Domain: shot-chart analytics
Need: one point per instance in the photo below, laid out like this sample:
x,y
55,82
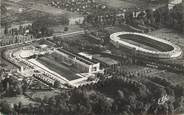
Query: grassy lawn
x,y
145,46
15,100
119,28
173,77
42,94
58,29
132,68
59,68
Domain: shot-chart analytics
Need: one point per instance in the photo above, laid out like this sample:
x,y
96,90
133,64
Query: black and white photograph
x,y
91,57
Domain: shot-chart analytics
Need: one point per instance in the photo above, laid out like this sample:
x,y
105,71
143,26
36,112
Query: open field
x,y
132,68
58,29
30,10
132,4
173,77
15,0
15,100
48,9
42,94
59,68
119,28
122,3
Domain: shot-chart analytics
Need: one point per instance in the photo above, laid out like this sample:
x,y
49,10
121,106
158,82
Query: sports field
x,y
62,69
145,46
146,43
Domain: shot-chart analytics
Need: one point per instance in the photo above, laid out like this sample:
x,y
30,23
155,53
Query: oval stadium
x,y
146,45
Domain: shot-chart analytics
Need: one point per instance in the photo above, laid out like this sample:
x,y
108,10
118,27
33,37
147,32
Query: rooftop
x,y
79,57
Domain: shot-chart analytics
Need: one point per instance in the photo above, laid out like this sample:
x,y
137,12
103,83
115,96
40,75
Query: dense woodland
x,y
119,95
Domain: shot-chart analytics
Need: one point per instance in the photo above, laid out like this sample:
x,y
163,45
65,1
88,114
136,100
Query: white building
x,y
76,20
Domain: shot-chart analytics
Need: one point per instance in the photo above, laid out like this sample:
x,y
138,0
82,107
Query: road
x,y
56,35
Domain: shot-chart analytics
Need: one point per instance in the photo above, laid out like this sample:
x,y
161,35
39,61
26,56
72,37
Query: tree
x,y
105,104
121,94
40,27
42,108
160,92
20,105
124,113
45,99
6,29
65,29
52,101
5,107
3,9
30,108
101,104
57,84
24,85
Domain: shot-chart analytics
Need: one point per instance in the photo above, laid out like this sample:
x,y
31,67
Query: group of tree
x,y
10,87
176,18
40,27
21,30
3,9
118,95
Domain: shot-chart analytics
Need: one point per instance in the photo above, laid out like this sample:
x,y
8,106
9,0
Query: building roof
x,y
105,60
79,57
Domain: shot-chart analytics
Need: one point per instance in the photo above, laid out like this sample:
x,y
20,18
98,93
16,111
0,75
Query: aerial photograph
x,y
92,57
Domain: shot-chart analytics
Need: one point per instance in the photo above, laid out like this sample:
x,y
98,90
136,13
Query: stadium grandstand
x,y
146,45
